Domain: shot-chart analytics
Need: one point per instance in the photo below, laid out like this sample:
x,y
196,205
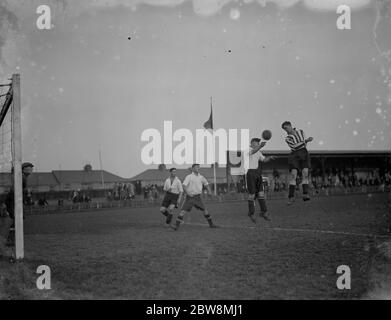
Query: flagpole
x,y
214,151
214,164
101,169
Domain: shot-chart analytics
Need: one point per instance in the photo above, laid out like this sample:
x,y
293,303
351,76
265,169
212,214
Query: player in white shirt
x,y
193,186
174,190
254,179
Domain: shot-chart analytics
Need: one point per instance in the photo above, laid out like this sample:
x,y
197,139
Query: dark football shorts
x,y
299,159
254,181
195,201
170,199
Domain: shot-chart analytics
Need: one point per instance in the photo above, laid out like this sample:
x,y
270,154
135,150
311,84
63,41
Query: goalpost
x,y
11,154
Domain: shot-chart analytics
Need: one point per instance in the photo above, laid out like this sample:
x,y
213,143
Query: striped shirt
x,y
296,140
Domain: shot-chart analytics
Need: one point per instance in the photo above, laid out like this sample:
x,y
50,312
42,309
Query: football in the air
x,y
266,135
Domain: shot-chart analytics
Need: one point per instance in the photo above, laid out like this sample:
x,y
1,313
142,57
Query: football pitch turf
x,y
128,253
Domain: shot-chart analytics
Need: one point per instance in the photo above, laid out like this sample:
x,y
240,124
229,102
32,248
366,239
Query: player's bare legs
x,y
209,219
168,213
292,186
305,183
179,220
164,211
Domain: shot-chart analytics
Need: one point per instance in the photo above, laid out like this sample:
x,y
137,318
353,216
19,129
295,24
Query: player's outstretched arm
x,y
269,158
309,139
256,149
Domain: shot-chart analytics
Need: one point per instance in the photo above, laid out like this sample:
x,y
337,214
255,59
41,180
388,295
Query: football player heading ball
x,y
299,159
254,179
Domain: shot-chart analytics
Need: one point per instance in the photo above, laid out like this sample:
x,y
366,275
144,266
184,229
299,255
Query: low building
x,y
157,176
65,180
323,163
360,162
86,179
43,182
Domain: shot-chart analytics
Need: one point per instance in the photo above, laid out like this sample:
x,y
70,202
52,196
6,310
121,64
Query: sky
x,y
108,70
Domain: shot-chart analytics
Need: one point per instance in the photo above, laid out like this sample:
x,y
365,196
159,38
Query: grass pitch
x,y
130,254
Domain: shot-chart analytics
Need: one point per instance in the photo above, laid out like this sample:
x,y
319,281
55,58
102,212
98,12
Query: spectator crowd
x,y
121,191
331,179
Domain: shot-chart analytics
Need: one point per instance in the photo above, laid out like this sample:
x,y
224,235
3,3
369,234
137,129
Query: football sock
x,y
292,190
209,219
262,204
168,218
178,221
251,207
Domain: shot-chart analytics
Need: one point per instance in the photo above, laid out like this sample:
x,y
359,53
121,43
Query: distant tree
x,y
87,167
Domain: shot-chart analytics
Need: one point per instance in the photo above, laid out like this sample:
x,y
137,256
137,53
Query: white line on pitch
x,y
300,230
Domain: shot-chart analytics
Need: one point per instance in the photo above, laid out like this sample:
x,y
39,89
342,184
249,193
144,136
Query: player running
x,y
299,159
193,186
254,179
174,190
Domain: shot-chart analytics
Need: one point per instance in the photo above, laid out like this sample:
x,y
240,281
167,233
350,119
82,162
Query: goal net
x,y
5,135
11,189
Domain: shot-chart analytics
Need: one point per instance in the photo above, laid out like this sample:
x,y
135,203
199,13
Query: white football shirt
x,y
251,160
194,184
174,187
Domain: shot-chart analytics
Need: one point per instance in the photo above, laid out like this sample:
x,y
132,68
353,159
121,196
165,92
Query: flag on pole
x,y
209,124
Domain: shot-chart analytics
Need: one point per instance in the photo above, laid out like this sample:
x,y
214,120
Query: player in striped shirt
x,y
299,159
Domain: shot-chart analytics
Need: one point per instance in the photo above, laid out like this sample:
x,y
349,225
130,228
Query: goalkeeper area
x,y
128,253
11,162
